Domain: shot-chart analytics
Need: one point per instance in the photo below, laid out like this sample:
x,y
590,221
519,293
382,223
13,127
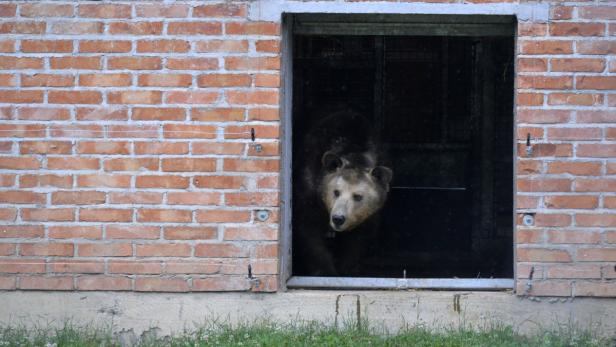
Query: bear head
x,y
353,188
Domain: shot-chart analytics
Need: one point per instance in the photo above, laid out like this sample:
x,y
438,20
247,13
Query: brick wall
x,y
126,161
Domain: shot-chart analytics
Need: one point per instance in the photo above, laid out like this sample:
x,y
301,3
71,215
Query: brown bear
x,y
337,198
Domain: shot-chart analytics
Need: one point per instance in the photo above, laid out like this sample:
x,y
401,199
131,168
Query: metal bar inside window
x,y
400,283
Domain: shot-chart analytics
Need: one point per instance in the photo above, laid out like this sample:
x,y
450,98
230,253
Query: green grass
x,y
269,334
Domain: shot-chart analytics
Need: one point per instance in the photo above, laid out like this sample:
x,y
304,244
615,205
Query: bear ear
x,y
331,161
383,175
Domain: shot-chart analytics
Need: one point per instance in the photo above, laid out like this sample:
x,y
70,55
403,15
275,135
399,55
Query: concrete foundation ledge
x,y
390,310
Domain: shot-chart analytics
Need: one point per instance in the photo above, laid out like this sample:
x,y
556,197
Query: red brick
x,y
561,12
574,271
192,63
263,114
177,182
596,47
225,46
251,233
269,46
104,250
103,147
156,284
46,249
267,80
596,289
132,131
269,182
546,150
164,250
22,265
192,267
91,46
7,46
577,29
610,134
596,82
8,214
8,10
575,99
191,97
135,97
21,231
164,216
527,202
21,197
75,97
48,214
160,147
47,80
577,65
105,80
546,47
609,202
186,164
135,198
220,182
596,150
193,198
595,185
21,96
217,284
251,199
46,283
132,232
105,10
552,220
22,130
575,168
224,80
596,254
567,236
217,114
267,150
163,46
103,113
165,80
77,28
194,28
543,255
595,220
241,165
76,131
33,181
136,267
252,63
611,168
159,114
597,12
75,232
8,80
186,131
544,185
46,46
103,180
529,236
103,283
190,233
596,116
544,82
220,250
134,63
252,28
76,266
12,63
266,251
574,134
217,148
222,216
136,28
131,164
78,63
545,288
244,131
105,215
19,163
43,113
220,10
162,10
72,163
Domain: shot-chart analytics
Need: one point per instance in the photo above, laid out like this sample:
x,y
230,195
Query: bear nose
x,y
338,220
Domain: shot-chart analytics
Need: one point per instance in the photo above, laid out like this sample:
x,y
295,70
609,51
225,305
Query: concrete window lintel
x,y
272,10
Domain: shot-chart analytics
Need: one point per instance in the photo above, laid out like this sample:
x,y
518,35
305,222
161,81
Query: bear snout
x,y
338,220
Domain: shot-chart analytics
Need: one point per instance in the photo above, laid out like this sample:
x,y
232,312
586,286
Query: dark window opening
x,y
442,106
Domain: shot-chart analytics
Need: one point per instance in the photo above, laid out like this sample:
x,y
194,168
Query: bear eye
x,y
357,197
336,193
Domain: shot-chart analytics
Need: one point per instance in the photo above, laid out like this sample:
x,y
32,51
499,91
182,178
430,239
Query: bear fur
x,y
340,181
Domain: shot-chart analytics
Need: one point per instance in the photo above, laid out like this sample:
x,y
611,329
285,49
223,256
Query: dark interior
x,y
443,107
